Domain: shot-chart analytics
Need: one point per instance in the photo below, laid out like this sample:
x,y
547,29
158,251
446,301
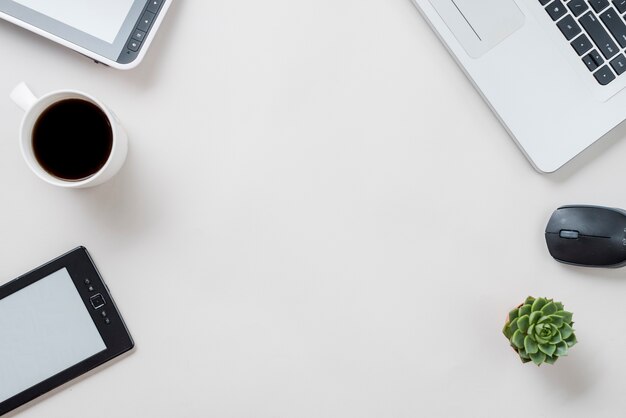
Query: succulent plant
x,y
540,330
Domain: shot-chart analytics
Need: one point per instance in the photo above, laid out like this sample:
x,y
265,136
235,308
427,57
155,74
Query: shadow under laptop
x,y
590,155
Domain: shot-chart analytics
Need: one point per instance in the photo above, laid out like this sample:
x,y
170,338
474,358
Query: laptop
x,y
116,33
553,71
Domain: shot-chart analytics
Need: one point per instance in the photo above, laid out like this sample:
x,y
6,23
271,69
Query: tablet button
x,y
154,5
91,289
134,45
87,281
97,301
107,321
145,21
138,35
104,314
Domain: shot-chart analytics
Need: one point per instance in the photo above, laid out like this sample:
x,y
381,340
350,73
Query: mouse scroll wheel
x,y
568,234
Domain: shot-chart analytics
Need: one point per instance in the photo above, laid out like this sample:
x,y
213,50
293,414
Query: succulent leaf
x,y
566,331
538,358
556,338
507,332
524,356
549,349
538,304
561,349
524,310
530,345
518,339
571,341
551,360
523,322
556,320
540,330
567,316
534,317
549,308
543,333
513,325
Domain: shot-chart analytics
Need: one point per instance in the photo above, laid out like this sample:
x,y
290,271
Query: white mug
x,y
34,107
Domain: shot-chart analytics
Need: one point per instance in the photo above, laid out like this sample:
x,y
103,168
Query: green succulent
x,y
540,330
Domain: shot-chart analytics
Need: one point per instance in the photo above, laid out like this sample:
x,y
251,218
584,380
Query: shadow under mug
x,y
34,107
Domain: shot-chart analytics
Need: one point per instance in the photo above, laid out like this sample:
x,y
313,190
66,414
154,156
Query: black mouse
x,y
592,236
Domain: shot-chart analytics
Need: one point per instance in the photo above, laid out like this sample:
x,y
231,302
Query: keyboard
x,y
596,30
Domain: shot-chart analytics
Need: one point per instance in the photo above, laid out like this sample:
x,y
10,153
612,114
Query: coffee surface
x,y
72,139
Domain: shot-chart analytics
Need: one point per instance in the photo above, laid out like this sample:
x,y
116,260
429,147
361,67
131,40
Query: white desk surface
x,y
319,217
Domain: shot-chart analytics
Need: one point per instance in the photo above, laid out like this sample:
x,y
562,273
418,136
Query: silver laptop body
x,y
553,73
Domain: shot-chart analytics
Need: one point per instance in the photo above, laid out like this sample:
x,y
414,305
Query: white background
x,y
102,19
319,217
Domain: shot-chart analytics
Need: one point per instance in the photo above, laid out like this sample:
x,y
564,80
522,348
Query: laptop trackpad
x,y
479,25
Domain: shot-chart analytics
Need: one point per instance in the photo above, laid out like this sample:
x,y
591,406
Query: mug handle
x,y
23,96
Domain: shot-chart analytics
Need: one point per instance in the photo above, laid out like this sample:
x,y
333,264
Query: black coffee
x,y
72,139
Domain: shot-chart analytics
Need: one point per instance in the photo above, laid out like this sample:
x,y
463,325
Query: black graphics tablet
x,y
114,32
56,323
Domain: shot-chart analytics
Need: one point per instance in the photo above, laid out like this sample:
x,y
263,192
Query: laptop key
x,y
619,64
597,58
589,62
578,7
620,5
556,10
544,2
569,27
604,75
581,44
616,25
599,5
599,35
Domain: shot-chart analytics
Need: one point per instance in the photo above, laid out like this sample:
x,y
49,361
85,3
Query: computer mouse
x,y
591,236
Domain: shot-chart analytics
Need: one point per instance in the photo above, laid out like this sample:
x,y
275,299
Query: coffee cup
x,y
69,138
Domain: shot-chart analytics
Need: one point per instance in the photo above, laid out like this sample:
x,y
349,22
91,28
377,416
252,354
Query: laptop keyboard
x,y
596,29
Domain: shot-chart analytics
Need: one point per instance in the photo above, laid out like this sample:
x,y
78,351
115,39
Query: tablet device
x,y
114,32
56,323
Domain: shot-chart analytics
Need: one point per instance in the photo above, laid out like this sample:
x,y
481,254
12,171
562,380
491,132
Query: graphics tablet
x,y
113,32
56,323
